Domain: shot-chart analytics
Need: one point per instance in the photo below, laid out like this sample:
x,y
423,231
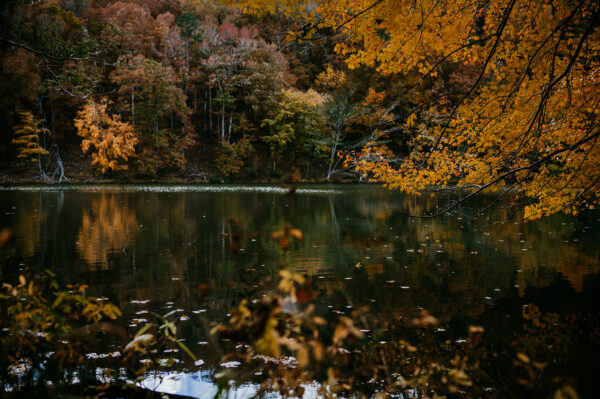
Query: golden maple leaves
x,y
527,115
113,141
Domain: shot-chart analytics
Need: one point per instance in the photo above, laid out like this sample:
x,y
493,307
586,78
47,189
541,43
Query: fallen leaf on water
x,y
523,357
475,329
297,234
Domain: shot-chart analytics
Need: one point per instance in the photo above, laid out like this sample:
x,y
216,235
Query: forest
x,y
478,96
184,90
475,276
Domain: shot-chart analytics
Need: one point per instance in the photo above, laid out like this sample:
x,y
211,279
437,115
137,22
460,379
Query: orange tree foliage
x,y
524,117
112,140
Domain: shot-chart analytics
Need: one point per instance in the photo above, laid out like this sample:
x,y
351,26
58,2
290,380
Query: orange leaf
x,y
297,234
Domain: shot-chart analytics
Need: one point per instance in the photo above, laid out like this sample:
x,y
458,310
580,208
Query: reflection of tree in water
x,y
204,253
105,229
30,218
544,341
523,351
541,249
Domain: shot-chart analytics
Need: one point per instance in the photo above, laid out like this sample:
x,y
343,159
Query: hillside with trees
x,y
179,90
479,96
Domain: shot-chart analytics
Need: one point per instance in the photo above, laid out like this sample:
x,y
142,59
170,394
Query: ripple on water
x,y
184,188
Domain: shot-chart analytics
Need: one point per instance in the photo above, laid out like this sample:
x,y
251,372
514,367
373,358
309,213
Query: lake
x,y
201,249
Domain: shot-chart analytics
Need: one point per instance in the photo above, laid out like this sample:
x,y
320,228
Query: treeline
x,y
185,88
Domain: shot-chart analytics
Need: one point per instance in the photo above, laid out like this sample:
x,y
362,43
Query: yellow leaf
x,y
523,357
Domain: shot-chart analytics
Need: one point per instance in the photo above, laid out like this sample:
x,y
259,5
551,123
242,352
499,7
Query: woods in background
x,y
182,88
477,96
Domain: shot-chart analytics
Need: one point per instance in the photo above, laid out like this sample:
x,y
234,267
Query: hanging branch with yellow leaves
x,y
521,104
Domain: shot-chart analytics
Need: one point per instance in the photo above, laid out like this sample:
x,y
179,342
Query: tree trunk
x,y
187,69
230,126
39,157
204,128
53,119
40,167
210,109
222,117
42,118
332,163
133,106
60,170
331,168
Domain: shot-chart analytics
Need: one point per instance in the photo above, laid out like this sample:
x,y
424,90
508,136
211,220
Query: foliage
x,y
180,73
232,157
44,327
525,114
295,125
112,141
536,368
471,95
338,357
157,108
164,150
27,137
338,113
150,342
23,81
285,235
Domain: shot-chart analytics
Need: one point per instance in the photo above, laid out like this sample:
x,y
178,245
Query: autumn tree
x,y
150,95
233,157
20,86
526,117
226,48
27,139
265,72
337,111
111,141
295,128
47,59
376,127
355,114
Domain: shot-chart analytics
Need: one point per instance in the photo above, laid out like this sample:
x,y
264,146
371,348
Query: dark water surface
x,y
201,249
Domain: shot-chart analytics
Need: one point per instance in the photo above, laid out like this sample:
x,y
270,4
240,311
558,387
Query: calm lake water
x,y
201,249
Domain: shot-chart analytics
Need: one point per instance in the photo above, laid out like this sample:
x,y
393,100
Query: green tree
x,y
295,127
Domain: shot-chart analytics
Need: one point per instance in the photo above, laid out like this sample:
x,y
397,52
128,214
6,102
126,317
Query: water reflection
x,y
154,237
107,227
200,249
200,385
